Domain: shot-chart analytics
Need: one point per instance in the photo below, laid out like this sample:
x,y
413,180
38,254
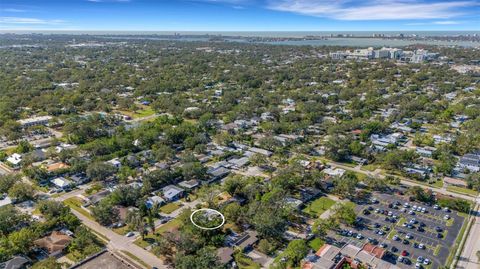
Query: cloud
x,y
446,22
30,21
373,9
12,10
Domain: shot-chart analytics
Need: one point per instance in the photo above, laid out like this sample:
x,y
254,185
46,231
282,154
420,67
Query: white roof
x,y
61,182
15,158
5,201
34,119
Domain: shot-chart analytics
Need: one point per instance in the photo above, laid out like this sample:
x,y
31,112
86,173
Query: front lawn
x,y
75,204
151,237
169,208
317,207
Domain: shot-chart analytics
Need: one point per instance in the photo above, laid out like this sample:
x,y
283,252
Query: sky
x,y
240,15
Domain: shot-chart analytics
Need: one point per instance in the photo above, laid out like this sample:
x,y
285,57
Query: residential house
x,y
17,262
238,163
470,161
172,193
115,162
217,173
244,240
225,255
189,184
425,152
154,200
97,197
54,244
15,159
57,166
4,200
40,120
455,182
62,183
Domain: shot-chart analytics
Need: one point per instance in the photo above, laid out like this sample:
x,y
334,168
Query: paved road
x,y
119,242
377,174
469,259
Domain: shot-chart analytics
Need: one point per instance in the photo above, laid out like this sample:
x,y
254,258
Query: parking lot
x,y
407,229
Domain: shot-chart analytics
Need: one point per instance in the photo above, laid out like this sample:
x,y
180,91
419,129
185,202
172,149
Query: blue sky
x,y
240,15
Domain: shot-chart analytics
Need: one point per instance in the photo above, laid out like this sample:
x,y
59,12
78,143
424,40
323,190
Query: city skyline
x,y
240,15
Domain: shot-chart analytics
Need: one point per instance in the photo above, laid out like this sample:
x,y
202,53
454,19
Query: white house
x,y
62,182
15,159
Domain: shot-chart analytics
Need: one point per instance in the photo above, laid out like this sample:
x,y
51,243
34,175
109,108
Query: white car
x,y
408,236
130,234
446,217
359,236
395,238
421,246
436,207
426,261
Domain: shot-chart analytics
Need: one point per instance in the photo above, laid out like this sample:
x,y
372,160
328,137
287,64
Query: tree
x,y
473,181
21,191
48,263
337,148
345,186
204,258
11,218
295,252
105,213
7,181
24,147
322,226
84,243
136,222
345,213
418,193
20,241
100,170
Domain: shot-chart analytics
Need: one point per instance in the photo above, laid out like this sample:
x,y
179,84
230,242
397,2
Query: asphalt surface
x,y
436,250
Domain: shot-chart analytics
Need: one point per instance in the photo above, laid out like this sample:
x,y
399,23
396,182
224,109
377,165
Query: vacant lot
x,y
317,207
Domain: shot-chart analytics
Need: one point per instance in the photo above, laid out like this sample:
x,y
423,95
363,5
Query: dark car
x,y
405,242
394,249
438,229
420,229
439,235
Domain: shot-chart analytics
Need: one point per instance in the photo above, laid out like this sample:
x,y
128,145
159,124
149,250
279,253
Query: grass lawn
x,y
370,167
135,258
316,243
76,204
122,230
437,184
317,207
462,190
245,262
150,238
144,111
169,208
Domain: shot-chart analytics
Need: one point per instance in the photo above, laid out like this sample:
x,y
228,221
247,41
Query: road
x,y
119,242
377,174
469,259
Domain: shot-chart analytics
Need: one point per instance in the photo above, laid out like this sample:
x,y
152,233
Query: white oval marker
x,y
211,210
